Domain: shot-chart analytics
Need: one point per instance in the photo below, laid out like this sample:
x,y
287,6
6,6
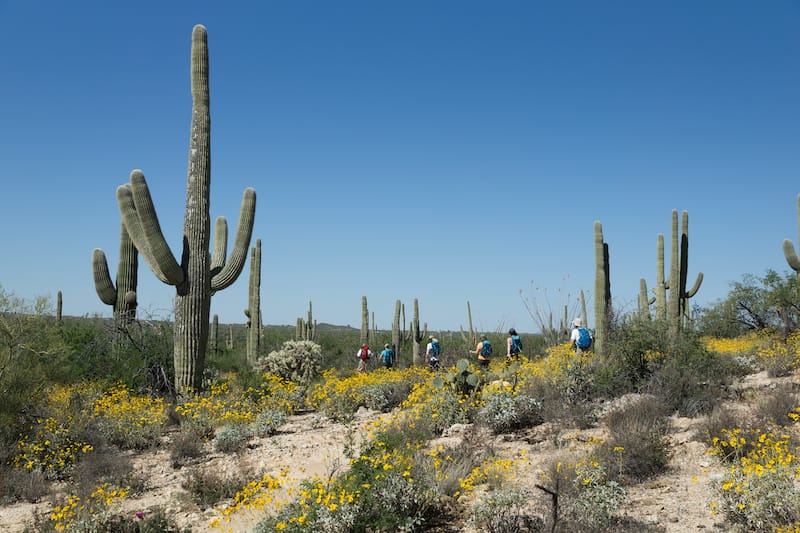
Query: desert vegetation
x,y
84,396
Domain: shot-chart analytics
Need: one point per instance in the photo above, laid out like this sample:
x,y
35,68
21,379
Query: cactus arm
x,y
791,256
235,263
220,245
102,278
691,292
141,222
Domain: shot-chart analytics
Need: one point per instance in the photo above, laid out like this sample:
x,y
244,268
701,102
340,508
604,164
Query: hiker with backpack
x,y
484,352
387,356
432,352
364,354
580,338
513,345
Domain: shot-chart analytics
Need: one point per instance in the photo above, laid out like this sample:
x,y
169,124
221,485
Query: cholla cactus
x,y
298,361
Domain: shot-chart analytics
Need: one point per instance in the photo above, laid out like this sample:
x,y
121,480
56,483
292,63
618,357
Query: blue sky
x,y
447,150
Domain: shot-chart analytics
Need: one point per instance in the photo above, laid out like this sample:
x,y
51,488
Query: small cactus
x,y
460,378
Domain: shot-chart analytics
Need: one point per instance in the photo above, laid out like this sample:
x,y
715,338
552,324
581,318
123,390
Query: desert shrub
x,y
506,411
773,408
721,418
229,439
207,485
267,422
90,513
634,344
587,497
22,485
50,447
385,396
128,420
451,464
185,446
504,511
637,439
759,492
298,361
106,465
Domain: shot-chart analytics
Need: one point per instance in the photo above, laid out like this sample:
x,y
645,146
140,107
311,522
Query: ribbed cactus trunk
x,y
472,339
214,334
254,305
122,296
644,300
602,293
364,321
417,335
584,316
679,266
59,306
198,275
396,334
661,284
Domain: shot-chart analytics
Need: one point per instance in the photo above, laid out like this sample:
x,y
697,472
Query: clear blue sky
x,y
447,150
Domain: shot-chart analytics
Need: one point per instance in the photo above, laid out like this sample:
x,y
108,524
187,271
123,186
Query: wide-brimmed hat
x,y
577,323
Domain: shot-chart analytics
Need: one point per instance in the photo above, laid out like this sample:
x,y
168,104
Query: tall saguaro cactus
x,y
122,296
364,321
602,289
416,335
253,310
198,275
678,273
472,339
397,336
661,284
788,247
306,329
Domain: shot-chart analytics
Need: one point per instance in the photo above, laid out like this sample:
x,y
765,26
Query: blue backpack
x,y
388,356
486,349
435,348
516,345
584,338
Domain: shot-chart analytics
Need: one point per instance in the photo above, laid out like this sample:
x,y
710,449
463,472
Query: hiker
x,y
387,356
484,351
364,354
432,352
581,338
513,345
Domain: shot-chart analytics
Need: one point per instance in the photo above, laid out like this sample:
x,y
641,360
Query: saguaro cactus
x,y
397,336
472,339
121,297
59,306
788,247
253,310
306,329
198,275
661,284
678,273
602,289
364,321
214,334
416,335
644,301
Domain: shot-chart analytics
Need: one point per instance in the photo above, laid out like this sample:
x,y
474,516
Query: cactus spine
x,y
602,290
121,297
197,276
788,247
253,310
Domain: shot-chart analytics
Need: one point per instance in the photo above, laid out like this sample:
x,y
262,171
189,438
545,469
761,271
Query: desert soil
x,y
309,444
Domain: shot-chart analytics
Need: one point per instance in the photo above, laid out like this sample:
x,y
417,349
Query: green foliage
x,y
504,511
298,361
229,439
755,303
460,378
506,411
267,422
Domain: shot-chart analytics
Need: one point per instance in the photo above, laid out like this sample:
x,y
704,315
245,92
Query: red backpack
x,y
365,352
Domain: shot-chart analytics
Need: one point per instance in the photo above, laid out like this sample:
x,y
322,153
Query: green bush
x,y
506,411
229,439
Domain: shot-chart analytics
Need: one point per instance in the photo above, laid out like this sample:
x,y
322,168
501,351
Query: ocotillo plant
x,y
416,335
602,289
121,297
253,310
678,271
198,275
788,247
